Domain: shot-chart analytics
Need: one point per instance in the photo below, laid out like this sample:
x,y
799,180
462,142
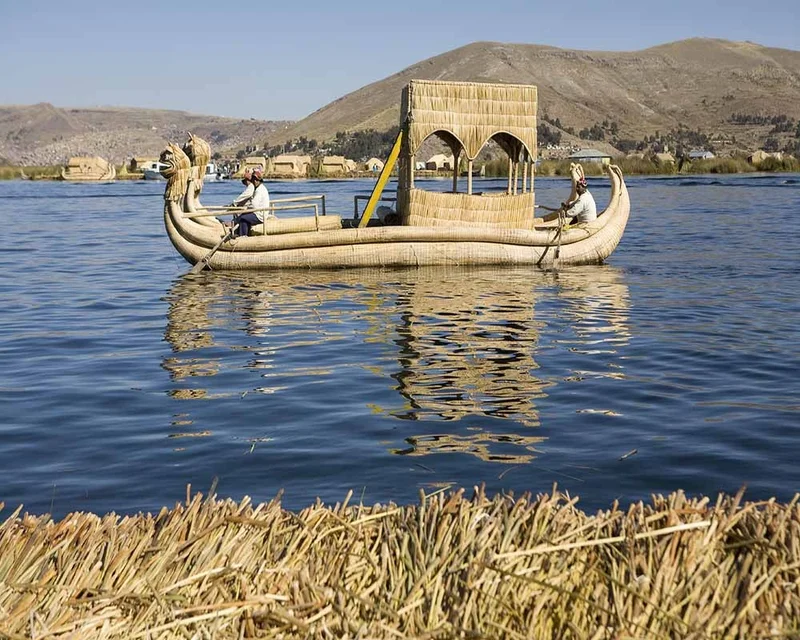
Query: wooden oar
x,y
541,206
202,263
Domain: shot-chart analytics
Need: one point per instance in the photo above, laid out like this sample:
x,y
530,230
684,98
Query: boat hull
x,y
395,246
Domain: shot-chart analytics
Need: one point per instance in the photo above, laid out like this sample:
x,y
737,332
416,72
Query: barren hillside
x,y
42,134
698,83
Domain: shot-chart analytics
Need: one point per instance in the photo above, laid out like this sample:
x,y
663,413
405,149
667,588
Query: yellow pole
x,y
382,180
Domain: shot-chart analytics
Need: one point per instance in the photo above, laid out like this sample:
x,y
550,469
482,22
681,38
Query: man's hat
x,y
258,174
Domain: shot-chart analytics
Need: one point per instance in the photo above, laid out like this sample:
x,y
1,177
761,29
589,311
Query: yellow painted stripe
x,y
377,190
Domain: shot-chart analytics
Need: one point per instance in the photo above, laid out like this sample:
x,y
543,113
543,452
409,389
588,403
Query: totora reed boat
x,y
459,227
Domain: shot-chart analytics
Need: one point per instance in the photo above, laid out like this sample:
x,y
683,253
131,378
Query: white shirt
x,y
260,203
584,208
244,197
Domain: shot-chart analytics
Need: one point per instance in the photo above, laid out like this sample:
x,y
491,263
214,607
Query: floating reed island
x,y
427,228
448,567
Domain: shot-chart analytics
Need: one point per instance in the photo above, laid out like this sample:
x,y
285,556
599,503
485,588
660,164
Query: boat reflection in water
x,y
462,348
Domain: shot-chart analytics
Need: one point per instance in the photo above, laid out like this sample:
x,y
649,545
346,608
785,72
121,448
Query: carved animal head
x,y
176,171
198,150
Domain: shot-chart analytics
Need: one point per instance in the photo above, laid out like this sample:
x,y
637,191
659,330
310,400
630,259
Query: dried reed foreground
x,y
448,567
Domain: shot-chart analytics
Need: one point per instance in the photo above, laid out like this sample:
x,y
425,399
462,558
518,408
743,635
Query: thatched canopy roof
x,y
88,163
468,114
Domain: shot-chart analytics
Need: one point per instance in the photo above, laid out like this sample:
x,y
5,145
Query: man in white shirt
x,y
243,199
259,203
583,207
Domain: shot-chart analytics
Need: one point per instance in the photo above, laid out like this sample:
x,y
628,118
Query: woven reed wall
x,y
473,112
431,209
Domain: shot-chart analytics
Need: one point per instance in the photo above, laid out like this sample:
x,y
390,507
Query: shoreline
x,y
448,566
547,169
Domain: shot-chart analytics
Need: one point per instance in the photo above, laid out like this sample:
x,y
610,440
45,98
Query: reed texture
x,y
448,567
472,112
500,211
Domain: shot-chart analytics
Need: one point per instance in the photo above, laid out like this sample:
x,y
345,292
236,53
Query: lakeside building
x,y
374,164
700,154
664,158
440,162
289,166
757,157
590,155
251,162
329,166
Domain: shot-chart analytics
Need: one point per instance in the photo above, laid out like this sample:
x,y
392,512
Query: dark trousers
x,y
245,221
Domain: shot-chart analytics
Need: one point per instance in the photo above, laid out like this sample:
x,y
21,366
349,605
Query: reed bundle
x,y
177,172
447,567
274,226
199,153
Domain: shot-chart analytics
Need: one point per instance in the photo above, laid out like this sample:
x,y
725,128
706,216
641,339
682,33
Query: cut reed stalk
x,y
447,567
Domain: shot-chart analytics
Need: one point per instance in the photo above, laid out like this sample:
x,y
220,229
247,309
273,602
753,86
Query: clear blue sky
x,y
284,59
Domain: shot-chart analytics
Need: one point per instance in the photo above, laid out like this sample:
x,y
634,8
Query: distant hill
x,y
42,134
697,83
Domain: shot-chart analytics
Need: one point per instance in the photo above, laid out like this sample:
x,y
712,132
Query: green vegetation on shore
x,y
10,172
645,166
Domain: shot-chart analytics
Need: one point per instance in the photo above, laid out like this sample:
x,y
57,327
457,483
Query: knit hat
x,y
258,173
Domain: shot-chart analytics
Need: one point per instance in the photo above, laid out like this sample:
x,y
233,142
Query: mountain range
x,y
732,91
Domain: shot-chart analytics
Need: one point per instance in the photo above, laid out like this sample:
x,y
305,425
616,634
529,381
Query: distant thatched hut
x,y
374,164
330,166
88,168
251,162
287,166
440,162
759,156
664,158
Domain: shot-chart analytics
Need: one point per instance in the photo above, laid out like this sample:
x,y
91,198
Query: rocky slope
x,y
697,83
42,134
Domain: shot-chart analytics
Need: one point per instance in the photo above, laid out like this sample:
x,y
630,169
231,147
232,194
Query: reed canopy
x,y
471,113
466,116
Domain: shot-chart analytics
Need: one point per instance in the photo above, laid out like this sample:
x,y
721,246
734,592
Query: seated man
x,y
243,199
259,203
583,206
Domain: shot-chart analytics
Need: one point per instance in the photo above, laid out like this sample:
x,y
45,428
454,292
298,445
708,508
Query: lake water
x,y
123,379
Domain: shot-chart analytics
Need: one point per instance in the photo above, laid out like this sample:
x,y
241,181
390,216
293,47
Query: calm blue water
x,y
122,378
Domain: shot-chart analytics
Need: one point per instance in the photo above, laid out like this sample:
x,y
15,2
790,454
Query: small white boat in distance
x,y
152,170
212,173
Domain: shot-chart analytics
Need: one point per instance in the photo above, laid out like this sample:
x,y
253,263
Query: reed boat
x,y
88,169
459,227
